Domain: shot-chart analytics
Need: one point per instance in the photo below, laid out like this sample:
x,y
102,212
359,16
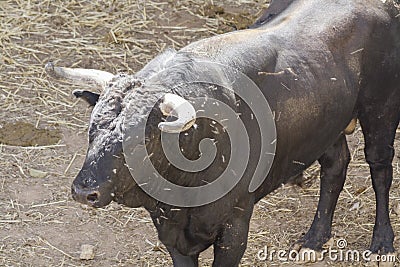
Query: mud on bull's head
x,y
105,176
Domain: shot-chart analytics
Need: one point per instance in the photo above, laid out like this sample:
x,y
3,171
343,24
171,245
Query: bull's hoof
x,y
313,242
386,260
307,255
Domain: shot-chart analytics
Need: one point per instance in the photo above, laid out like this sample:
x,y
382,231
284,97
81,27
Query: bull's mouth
x,y
95,197
128,196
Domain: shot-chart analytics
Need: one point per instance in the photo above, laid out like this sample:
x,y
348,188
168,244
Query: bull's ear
x,y
88,96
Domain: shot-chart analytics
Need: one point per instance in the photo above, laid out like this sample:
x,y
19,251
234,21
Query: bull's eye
x,y
108,148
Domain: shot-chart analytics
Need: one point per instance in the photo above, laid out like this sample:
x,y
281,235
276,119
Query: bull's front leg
x,y
180,260
232,240
334,164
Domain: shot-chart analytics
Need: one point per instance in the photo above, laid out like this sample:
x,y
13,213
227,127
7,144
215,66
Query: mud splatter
x,y
26,134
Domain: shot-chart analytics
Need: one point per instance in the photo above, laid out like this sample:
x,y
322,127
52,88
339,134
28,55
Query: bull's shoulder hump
x,y
298,23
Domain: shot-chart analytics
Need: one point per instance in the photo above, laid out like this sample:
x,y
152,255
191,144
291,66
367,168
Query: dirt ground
x,y
43,135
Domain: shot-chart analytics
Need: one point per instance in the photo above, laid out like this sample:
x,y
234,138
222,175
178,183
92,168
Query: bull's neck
x,y
245,50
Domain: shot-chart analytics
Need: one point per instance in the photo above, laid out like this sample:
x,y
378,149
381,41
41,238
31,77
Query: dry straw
x,y
39,223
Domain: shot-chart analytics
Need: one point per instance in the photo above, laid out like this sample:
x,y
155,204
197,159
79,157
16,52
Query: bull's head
x,y
105,176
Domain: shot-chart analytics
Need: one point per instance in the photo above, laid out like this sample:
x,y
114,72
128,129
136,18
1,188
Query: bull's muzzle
x,y
98,197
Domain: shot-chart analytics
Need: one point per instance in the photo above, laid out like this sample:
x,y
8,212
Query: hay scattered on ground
x,y
39,223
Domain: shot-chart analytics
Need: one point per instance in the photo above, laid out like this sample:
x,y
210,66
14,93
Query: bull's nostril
x,y
93,197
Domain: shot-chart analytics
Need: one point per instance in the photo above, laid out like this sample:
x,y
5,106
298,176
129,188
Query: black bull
x,y
320,64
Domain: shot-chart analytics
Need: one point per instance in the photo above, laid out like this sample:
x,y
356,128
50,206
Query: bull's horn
x,y
86,75
182,109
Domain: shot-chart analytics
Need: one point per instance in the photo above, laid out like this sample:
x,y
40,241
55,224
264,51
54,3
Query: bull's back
x,y
307,61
